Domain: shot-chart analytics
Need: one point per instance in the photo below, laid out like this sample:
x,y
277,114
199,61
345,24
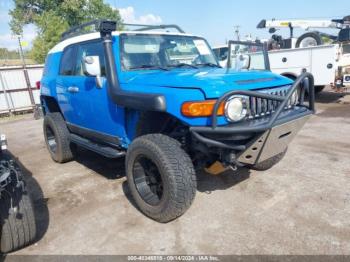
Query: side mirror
x,y
92,67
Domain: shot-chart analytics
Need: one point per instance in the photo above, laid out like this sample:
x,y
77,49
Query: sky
x,y
213,19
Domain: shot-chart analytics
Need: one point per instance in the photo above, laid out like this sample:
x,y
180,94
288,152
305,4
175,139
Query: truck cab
x,y
162,101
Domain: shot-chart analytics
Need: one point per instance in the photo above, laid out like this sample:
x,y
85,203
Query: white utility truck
x,y
329,63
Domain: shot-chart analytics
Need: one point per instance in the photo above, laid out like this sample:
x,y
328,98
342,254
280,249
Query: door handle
x,y
73,89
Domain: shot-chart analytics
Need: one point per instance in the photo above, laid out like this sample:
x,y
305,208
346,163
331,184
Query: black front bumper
x,y
273,132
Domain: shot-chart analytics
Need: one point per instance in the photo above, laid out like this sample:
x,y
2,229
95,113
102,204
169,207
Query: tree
x,y
53,17
8,54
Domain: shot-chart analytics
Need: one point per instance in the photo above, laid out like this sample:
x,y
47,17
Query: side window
x,y
89,49
67,62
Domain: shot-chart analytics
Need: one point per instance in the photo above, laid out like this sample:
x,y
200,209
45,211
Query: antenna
x,y
237,35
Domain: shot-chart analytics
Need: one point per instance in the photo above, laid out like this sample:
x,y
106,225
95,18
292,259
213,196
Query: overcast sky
x,y
213,19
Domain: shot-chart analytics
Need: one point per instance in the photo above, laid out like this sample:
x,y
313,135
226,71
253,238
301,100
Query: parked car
x,y
162,100
221,52
17,221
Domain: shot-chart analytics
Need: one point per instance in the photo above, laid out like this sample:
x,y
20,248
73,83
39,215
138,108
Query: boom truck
x,y
290,57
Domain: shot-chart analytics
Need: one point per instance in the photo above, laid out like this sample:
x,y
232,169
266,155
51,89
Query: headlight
x,y
294,98
235,108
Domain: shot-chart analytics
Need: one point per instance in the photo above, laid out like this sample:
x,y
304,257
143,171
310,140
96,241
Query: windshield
x,y
247,56
165,52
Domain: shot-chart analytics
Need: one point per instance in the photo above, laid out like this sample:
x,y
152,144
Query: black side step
x,y
97,148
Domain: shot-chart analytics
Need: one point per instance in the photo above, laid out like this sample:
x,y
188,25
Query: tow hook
x,y
233,167
231,162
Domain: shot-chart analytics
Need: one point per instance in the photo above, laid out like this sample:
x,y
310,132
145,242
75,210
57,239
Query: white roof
x,y
91,36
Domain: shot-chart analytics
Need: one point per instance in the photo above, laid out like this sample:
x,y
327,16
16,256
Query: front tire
x,y
57,138
160,176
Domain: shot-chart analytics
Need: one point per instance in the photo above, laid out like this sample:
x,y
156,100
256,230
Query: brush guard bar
x,y
305,82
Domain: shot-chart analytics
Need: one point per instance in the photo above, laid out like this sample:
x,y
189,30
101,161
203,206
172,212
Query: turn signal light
x,y
201,108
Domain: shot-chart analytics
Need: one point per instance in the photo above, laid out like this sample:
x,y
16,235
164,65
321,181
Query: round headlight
x,y
235,108
294,98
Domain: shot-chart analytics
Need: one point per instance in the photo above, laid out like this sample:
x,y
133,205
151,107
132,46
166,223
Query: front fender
x,y
174,98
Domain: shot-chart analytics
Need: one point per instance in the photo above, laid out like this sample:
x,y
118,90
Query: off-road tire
x,y
65,150
269,163
177,173
18,226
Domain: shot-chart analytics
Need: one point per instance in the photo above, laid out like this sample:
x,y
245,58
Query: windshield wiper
x,y
209,64
183,65
148,67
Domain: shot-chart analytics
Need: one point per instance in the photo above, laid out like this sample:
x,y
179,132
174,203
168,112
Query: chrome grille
x,y
259,107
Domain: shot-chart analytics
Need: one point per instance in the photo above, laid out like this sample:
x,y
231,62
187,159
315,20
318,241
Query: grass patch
x,y
16,62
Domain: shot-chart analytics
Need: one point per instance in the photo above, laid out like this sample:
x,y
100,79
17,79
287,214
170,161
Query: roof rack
x,y
81,29
154,27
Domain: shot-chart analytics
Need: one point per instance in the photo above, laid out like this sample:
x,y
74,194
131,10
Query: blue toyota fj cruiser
x,y
161,99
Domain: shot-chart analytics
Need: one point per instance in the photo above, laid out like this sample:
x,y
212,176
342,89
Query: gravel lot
x,y
301,206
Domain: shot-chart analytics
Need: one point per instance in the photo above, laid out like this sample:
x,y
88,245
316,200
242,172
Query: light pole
x,y
237,35
26,75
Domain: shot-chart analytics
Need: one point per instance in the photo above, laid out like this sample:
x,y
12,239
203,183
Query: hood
x,y
212,82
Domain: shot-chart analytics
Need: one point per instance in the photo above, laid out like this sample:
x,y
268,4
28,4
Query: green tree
x,y
53,17
8,54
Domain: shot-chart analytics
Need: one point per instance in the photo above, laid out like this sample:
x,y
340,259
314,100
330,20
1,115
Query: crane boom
x,y
304,24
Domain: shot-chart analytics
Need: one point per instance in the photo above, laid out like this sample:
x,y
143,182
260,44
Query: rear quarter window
x,y
46,66
67,61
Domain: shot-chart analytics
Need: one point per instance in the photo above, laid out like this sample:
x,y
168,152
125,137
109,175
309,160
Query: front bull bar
x,y
304,81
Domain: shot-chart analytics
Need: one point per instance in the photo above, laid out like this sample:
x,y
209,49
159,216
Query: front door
x,y
91,111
